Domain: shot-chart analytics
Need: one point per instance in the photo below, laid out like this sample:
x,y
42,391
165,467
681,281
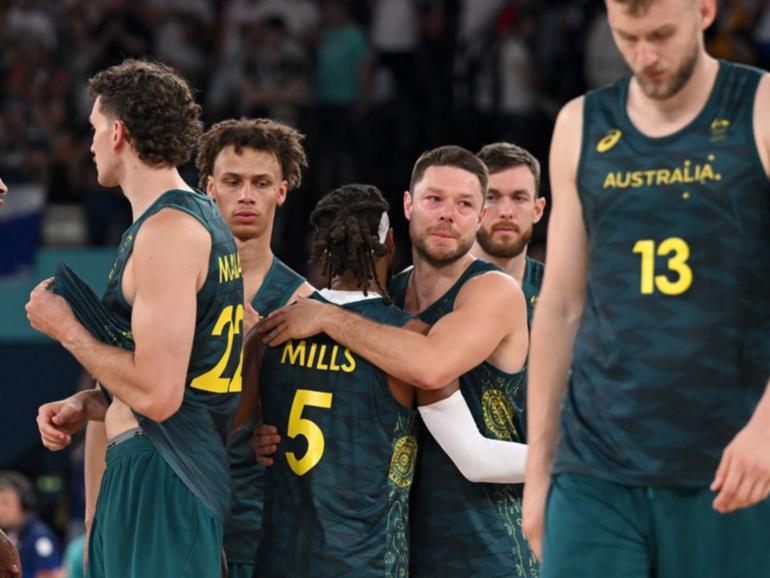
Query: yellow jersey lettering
x,y
321,365
351,361
295,353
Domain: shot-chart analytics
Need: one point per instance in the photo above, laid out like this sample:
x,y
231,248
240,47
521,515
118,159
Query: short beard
x,y
439,261
503,250
680,78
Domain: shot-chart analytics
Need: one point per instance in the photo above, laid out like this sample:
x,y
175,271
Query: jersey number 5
x,y
300,426
676,263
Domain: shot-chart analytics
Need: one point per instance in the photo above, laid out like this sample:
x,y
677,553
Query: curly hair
x,y
156,104
502,155
346,238
260,134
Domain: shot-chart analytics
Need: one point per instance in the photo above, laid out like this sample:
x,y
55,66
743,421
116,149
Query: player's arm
x,y
170,261
743,476
557,316
10,566
248,405
478,458
3,191
448,418
457,343
58,420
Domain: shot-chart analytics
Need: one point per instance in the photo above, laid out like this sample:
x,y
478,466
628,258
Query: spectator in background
x,y
275,81
38,546
341,77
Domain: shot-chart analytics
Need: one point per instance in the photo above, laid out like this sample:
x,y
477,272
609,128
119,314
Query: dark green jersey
x,y
460,528
533,279
666,360
337,497
247,476
192,441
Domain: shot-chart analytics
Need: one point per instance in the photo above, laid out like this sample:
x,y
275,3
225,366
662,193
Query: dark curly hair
x,y
156,104
260,134
345,238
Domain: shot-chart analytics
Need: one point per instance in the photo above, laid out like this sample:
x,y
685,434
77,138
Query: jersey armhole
x,y
754,137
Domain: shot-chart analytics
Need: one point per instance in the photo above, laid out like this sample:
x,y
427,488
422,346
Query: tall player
x,y
657,275
479,335
176,281
247,167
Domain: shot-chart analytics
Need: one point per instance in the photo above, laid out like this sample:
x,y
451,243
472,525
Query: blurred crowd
x,y
371,82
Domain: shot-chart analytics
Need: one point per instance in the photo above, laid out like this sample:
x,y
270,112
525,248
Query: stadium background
x,y
372,83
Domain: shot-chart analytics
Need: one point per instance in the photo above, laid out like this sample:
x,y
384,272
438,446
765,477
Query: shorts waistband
x,y
127,443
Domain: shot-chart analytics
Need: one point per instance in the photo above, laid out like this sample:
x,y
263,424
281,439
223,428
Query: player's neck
x,y
657,117
142,184
256,259
428,282
348,282
516,266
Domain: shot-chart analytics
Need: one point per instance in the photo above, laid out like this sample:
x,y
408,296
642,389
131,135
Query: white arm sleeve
x,y
478,458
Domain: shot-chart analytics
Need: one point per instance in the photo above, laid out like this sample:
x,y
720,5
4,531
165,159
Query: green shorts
x,y
148,523
236,570
595,528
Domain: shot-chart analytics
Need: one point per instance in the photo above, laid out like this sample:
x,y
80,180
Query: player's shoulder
x,y
570,117
170,226
492,287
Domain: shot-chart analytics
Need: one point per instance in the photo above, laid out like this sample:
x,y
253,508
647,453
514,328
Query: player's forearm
x,y
93,466
478,458
94,403
761,416
406,355
553,336
139,385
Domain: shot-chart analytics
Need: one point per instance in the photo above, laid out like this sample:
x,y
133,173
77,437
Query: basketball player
x,y
656,295
176,280
247,167
479,335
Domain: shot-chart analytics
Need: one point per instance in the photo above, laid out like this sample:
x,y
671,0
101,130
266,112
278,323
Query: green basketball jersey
x,y
460,528
192,441
337,497
533,279
247,476
671,355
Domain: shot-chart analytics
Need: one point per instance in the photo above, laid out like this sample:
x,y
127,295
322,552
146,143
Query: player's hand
x,y
265,440
537,482
743,476
49,313
3,191
10,565
301,319
58,420
250,318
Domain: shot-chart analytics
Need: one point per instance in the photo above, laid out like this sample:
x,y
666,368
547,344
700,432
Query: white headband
x,y
382,228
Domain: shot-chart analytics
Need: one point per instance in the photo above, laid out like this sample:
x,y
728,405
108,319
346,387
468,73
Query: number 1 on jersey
x,y
676,263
